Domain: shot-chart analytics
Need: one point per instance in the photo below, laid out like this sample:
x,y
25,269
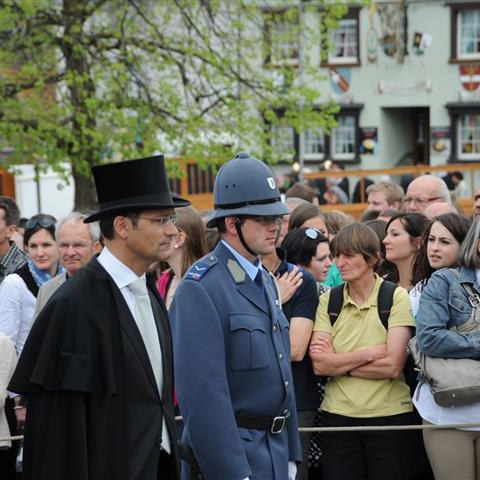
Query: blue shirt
x,y
250,268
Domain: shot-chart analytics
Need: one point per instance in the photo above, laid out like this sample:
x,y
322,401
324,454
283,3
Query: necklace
x,y
172,288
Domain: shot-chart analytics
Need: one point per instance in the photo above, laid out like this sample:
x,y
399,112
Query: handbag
x,y
452,381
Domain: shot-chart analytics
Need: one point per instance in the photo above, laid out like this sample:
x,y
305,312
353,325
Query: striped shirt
x,y
13,259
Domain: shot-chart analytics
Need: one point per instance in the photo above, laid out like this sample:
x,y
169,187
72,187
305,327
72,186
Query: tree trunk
x,y
85,194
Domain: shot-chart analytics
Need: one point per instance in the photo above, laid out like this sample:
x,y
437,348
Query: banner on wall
x,y
440,143
368,140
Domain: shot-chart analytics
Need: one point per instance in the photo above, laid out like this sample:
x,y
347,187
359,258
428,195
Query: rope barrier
x,y
458,426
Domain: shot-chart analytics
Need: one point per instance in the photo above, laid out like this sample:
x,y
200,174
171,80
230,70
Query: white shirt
x,y
121,275
17,309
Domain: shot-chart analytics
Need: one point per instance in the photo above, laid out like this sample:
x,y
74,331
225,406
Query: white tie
x,y
148,330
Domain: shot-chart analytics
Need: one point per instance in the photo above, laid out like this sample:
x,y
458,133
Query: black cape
x,y
93,408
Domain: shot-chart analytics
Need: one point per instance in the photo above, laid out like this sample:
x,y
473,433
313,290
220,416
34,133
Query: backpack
x,y
384,306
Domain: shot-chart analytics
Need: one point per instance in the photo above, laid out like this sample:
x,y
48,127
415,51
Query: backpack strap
x,y
385,301
335,302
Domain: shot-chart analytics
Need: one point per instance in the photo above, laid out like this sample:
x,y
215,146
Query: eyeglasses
x,y
268,220
40,222
75,246
162,221
419,201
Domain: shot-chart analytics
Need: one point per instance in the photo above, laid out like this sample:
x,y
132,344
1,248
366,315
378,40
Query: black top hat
x,y
134,185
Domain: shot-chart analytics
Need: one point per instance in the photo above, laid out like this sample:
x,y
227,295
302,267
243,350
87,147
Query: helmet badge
x,y
271,183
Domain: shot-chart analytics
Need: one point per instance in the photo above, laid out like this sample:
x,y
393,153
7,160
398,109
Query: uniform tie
x,y
148,330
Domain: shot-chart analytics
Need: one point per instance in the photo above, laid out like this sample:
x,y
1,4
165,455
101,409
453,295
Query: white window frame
x,y
344,28
310,138
338,136
460,14
475,139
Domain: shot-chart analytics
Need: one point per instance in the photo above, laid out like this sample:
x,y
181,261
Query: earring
x,y
175,246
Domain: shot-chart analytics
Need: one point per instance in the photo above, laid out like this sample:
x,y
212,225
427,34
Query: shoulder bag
x,y
452,381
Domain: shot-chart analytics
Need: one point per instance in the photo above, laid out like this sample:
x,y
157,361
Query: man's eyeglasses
x,y
268,220
162,221
40,222
419,201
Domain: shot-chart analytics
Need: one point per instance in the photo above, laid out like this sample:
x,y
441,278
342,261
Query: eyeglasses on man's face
x,y
162,221
74,245
268,220
420,200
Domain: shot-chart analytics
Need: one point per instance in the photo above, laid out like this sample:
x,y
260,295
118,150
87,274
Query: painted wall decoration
x,y
470,77
372,37
340,80
421,43
412,88
440,143
393,23
369,141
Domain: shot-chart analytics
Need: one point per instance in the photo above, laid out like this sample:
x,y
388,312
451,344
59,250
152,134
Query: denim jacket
x,y
444,304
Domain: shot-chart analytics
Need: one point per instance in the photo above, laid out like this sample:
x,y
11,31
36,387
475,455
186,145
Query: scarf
x,y
42,276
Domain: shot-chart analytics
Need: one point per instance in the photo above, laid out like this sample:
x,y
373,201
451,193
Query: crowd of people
x,y
261,316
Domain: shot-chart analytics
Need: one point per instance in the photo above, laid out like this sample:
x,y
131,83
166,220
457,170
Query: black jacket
x,y
94,411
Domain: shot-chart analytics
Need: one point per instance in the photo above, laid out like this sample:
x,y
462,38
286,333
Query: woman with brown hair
x,y
188,246
364,361
402,242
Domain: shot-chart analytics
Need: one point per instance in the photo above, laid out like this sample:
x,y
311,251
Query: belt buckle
x,y
278,424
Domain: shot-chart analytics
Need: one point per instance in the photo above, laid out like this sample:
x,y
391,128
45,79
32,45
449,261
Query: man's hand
x,y
288,283
20,414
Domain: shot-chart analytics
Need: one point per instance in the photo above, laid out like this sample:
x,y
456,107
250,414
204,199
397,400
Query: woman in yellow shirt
x,y
365,364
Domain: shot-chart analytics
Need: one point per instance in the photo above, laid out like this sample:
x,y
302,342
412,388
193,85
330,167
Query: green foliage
x,y
105,80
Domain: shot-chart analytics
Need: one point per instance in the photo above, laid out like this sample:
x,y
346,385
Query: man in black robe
x,y
100,404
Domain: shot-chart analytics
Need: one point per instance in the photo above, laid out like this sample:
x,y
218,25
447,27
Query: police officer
x,y
231,341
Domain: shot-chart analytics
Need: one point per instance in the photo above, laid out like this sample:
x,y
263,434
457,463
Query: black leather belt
x,y
271,424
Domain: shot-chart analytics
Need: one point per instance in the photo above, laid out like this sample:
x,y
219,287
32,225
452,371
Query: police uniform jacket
x,y
232,356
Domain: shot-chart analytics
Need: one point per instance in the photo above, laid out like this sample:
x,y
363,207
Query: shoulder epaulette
x,y
200,268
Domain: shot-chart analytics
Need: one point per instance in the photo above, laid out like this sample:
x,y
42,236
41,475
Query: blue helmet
x,y
245,186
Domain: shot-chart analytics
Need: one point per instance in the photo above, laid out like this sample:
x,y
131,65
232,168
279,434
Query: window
x,y
465,33
282,38
465,128
344,41
469,137
343,142
199,180
314,144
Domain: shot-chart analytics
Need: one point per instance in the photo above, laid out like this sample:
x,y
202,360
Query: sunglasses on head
x,y
40,222
313,233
